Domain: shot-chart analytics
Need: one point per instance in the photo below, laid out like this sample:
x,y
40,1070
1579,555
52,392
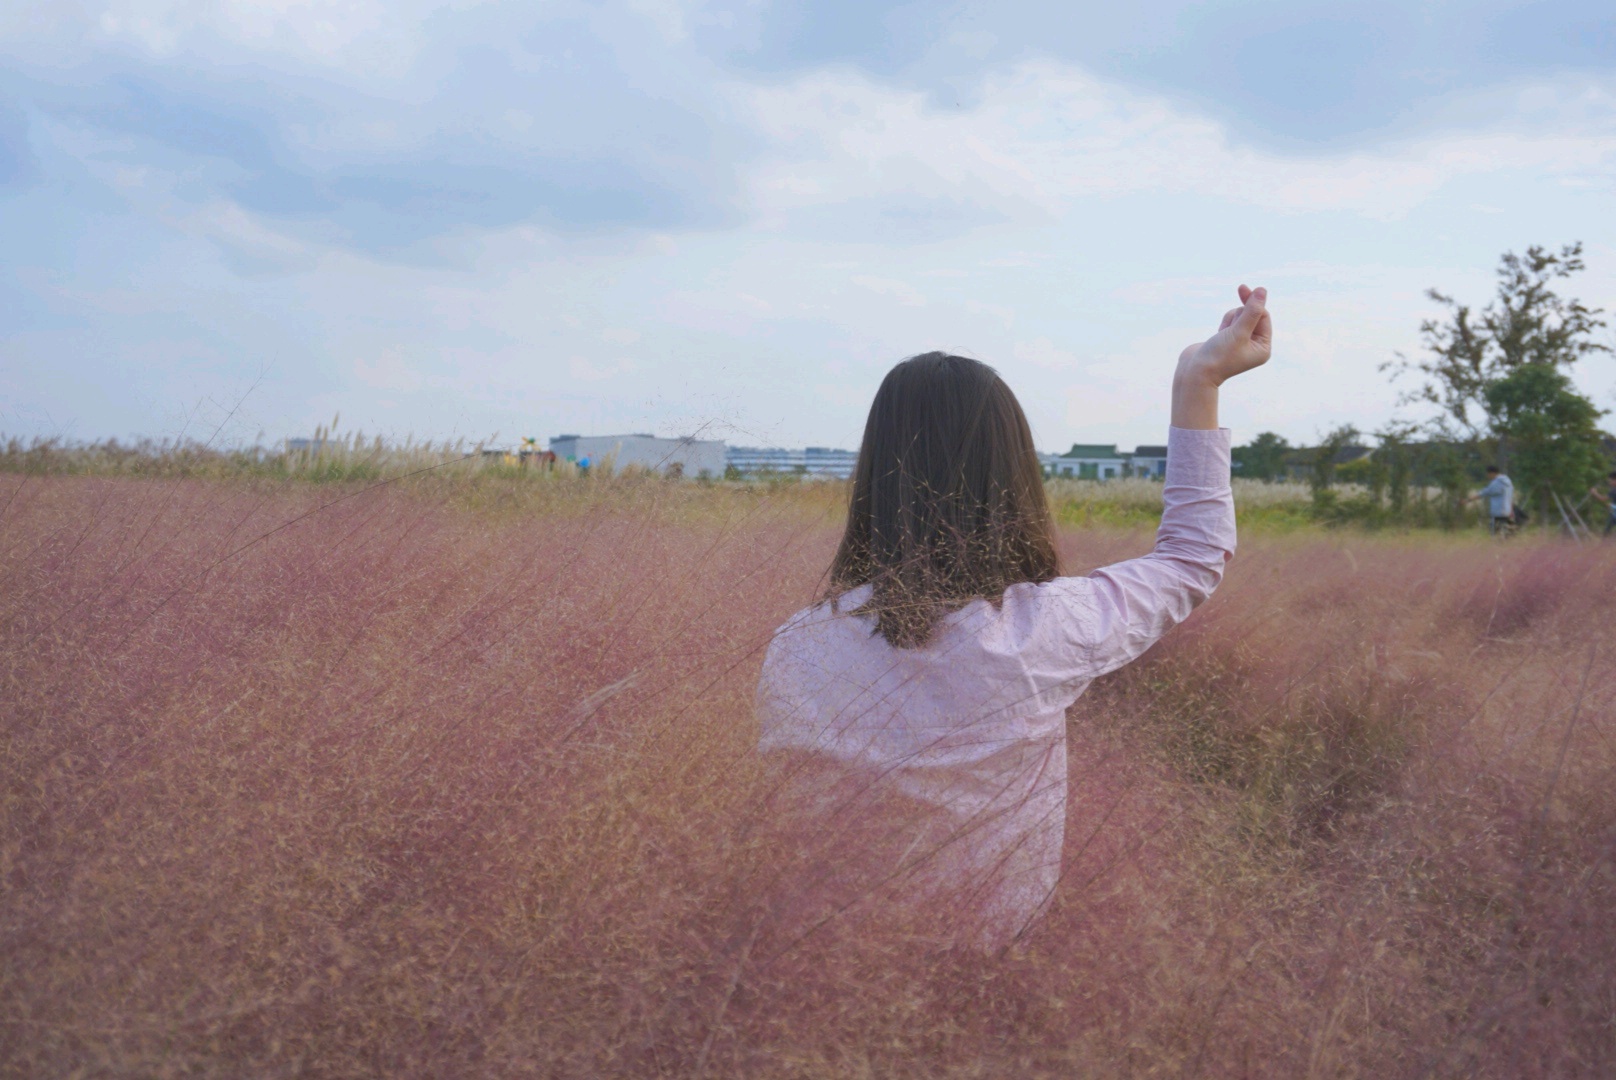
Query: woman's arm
x,y
1119,611
1129,605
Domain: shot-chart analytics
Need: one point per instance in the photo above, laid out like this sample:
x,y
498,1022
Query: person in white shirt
x,y
921,703
1609,499
1500,496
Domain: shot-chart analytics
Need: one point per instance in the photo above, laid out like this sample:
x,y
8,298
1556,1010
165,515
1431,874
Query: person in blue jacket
x,y
1500,496
1607,497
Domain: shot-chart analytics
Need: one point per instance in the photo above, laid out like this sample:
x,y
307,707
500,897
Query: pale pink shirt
x,y
972,725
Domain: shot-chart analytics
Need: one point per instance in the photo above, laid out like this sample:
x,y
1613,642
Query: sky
x,y
233,220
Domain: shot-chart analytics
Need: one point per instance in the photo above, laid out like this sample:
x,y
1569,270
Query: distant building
x,y
1103,461
1149,461
814,461
1086,461
825,461
528,454
764,459
684,456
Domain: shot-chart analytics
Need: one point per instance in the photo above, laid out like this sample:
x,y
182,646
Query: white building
x,y
750,460
1103,461
683,456
1149,461
814,461
1086,461
825,461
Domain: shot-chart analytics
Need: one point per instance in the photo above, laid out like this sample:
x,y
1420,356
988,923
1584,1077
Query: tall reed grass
x,y
438,779
332,456
329,455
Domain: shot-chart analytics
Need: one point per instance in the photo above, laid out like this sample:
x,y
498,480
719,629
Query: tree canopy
x,y
1498,376
1552,431
1263,458
1526,322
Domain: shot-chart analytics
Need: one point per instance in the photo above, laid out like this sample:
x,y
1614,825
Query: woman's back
x,y
972,723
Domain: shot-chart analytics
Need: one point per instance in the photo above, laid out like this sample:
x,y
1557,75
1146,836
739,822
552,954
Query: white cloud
x,y
1002,312
666,16
352,39
714,310
357,33
587,370
901,291
1095,230
389,371
252,244
1044,353
1045,135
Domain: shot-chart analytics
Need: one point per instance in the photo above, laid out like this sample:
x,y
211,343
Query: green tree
x,y
1322,469
1322,475
1552,432
1263,458
1449,466
1526,323
1394,466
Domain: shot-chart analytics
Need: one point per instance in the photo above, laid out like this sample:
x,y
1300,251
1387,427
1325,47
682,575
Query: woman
x,y
923,699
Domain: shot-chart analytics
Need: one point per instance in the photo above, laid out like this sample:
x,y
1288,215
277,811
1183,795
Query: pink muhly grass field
x,y
439,780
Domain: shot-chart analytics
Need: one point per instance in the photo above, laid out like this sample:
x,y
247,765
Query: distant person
x,y
932,679
1608,497
1500,496
583,465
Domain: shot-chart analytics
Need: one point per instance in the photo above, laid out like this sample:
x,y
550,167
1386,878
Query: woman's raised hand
x,y
1244,340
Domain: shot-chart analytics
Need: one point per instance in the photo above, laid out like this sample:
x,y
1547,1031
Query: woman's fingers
x,y
1256,325
1254,312
1245,294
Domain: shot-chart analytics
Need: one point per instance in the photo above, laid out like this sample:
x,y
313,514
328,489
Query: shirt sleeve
x,y
1118,612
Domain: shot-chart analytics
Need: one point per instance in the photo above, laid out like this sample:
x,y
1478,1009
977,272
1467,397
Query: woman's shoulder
x,y
820,638
1058,591
1057,611
826,612
1027,612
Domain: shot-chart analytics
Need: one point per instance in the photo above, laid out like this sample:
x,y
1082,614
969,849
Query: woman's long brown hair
x,y
948,501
